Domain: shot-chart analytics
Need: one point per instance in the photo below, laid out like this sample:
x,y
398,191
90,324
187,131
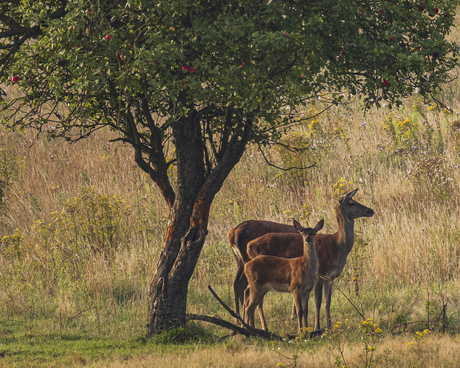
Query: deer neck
x,y
309,259
346,232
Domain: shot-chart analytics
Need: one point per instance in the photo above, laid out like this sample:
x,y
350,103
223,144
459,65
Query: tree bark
x,y
168,291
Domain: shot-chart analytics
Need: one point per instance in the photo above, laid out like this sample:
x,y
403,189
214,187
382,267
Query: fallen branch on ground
x,y
245,329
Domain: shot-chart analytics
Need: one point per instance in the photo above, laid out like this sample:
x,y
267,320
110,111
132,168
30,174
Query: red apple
x,y
185,83
192,69
342,52
302,75
436,10
286,34
108,37
391,39
385,83
154,62
15,79
121,57
185,68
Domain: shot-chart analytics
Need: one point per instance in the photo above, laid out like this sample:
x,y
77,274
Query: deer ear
x,y
352,193
319,225
297,226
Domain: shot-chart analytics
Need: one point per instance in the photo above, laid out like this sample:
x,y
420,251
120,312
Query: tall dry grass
x,y
82,225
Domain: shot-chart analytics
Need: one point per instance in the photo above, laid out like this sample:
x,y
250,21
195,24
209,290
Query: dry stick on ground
x,y
352,304
219,322
246,330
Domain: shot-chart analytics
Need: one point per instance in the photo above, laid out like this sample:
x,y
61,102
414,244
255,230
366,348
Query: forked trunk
x,y
185,234
182,247
168,290
196,189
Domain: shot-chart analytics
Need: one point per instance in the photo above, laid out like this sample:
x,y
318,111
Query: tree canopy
x,y
189,84
97,61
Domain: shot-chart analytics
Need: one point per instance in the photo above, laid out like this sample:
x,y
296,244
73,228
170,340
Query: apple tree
x,y
190,84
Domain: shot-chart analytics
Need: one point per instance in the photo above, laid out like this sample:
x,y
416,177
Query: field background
x,y
81,228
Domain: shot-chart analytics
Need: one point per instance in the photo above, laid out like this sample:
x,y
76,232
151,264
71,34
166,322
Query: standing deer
x,y
238,238
286,275
332,250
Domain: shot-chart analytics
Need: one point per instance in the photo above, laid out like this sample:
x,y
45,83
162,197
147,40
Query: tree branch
x,y
284,169
249,331
219,322
16,30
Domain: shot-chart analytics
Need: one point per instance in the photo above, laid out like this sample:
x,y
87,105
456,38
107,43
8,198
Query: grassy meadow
x,y
81,228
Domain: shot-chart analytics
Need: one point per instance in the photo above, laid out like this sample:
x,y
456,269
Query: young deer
x,y
332,250
238,238
295,275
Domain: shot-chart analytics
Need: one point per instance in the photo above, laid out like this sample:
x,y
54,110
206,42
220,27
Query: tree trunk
x,y
188,224
168,292
183,241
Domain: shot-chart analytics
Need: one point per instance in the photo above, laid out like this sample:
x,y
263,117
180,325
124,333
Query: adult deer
x,y
332,250
286,275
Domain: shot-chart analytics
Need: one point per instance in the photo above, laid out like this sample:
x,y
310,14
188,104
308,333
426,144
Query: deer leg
x,y
249,315
298,306
247,295
242,285
260,309
248,308
305,300
253,296
327,302
239,287
318,299
294,313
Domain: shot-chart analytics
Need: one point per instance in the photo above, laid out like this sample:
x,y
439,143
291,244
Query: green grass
x,y
91,338
29,344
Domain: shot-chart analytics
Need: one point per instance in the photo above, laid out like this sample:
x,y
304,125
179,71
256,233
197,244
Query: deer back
x,y
242,234
271,270
278,245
